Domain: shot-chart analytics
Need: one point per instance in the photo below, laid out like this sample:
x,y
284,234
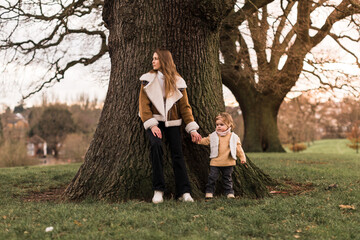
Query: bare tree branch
x,y
56,24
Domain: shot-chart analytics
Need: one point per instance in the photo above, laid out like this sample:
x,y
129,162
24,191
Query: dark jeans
x,y
172,135
227,180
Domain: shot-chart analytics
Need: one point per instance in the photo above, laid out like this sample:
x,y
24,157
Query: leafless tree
x,y
264,56
52,36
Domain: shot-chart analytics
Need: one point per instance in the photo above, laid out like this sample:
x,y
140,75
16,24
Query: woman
x,y
163,105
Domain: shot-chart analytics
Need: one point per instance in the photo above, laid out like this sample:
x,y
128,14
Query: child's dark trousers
x,y
226,176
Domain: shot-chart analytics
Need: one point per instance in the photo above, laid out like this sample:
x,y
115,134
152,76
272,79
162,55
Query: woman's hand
x,y
195,136
156,131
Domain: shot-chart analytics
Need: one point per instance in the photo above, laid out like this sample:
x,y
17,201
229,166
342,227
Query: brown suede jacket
x,y
153,108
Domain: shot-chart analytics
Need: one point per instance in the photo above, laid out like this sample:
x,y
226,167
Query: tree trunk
x,y
260,121
117,165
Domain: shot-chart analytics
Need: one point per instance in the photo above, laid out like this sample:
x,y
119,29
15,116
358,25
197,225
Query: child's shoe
x,y
158,197
230,196
186,197
208,196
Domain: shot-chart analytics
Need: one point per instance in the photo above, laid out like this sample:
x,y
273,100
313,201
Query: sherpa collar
x,y
154,93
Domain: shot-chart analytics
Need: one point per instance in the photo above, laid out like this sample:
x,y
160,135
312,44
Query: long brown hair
x,y
168,68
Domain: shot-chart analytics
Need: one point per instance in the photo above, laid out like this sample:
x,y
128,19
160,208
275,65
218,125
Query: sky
x,y
77,81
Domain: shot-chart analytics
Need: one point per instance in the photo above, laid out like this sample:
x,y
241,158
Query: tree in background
x,y
264,56
75,146
298,119
354,137
19,108
86,115
54,124
1,132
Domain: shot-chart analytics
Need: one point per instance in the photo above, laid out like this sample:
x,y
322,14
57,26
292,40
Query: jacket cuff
x,y
150,123
191,126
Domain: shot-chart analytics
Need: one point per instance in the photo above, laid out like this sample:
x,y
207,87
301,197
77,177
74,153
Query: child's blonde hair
x,y
226,118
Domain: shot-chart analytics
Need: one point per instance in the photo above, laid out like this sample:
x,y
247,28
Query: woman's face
x,y
155,62
221,126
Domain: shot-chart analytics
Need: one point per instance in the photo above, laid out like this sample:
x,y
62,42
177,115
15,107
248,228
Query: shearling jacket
x,y
172,110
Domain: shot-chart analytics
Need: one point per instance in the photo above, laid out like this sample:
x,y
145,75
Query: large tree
x,y
264,57
117,163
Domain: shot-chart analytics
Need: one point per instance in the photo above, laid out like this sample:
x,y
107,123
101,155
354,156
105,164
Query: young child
x,y
225,146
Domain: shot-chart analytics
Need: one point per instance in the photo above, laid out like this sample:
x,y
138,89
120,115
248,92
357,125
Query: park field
x,y
310,207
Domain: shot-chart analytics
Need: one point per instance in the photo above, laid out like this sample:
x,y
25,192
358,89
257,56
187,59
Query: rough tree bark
x,y
117,165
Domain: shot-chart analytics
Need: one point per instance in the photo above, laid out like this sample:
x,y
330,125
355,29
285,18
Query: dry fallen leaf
x,y
77,223
296,236
277,192
352,207
221,209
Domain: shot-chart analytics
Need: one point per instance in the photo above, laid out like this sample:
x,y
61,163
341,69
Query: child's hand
x,y
195,136
243,161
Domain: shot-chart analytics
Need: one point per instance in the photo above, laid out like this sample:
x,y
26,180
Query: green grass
x,y
330,146
312,215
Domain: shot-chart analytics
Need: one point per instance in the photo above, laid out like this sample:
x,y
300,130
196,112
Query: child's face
x,y
221,126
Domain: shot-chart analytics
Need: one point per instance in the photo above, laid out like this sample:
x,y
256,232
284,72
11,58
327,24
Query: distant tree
x,y
264,56
354,137
85,117
75,146
298,119
34,117
19,108
1,131
54,124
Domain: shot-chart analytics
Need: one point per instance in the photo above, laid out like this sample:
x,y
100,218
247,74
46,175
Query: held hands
x,y
195,136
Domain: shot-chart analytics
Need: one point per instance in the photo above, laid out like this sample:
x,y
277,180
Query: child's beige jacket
x,y
224,157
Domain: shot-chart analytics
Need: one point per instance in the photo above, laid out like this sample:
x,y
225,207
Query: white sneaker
x,y
231,196
186,197
209,195
158,197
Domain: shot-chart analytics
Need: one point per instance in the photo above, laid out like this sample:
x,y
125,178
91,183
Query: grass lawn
x,y
311,214
330,146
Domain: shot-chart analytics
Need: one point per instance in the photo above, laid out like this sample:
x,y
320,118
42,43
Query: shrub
x,y
14,153
297,147
75,147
